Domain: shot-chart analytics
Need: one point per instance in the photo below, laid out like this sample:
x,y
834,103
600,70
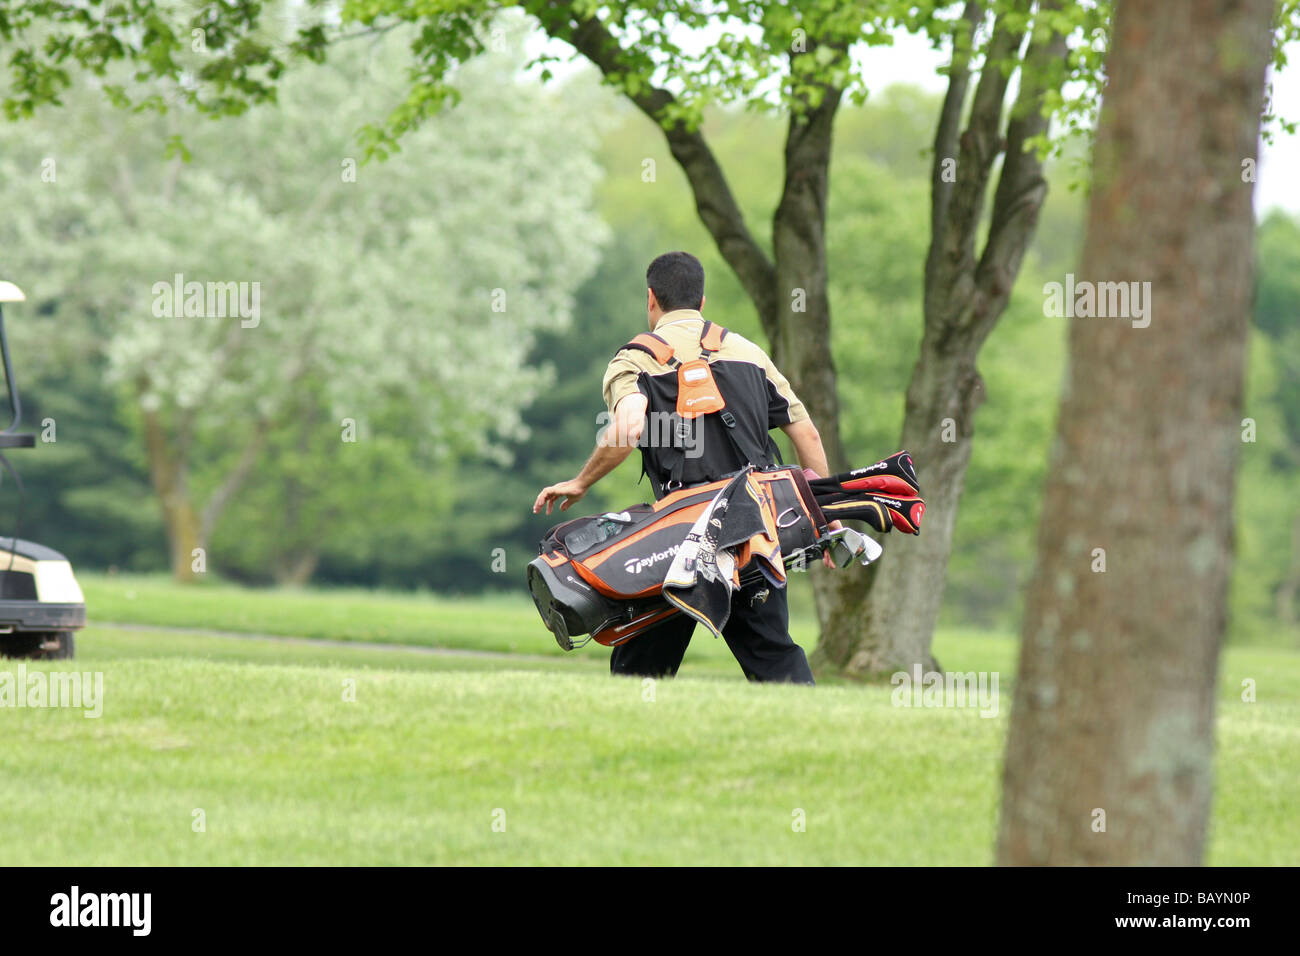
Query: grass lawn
x,y
510,624
581,768
506,624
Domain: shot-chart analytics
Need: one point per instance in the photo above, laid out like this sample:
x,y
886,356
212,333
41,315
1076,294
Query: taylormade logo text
x,y
75,908
637,565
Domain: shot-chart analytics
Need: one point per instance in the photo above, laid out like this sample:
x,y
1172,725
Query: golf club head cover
x,y
857,507
882,512
895,475
905,512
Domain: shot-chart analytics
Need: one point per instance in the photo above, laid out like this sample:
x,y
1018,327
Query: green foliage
x,y
1285,33
402,301
768,55
86,491
1266,584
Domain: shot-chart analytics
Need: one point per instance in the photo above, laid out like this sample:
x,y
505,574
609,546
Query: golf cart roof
x,y
10,292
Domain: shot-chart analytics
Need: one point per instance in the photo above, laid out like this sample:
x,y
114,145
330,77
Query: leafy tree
x,y
377,289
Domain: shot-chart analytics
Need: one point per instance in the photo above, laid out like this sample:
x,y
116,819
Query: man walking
x,y
720,395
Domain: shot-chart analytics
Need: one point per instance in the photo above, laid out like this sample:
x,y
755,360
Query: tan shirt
x,y
681,329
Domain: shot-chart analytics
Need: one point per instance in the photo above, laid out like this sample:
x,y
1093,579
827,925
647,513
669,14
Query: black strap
x,y
748,451
774,450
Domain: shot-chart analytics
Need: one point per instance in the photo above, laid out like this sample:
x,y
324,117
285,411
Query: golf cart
x,y
40,601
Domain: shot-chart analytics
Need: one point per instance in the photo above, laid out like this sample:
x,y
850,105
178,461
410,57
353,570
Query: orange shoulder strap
x,y
712,336
653,346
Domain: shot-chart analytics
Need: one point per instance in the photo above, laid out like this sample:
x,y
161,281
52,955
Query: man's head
x,y
675,280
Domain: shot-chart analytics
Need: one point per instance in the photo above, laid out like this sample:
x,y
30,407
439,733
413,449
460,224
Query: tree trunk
x,y
297,569
1109,755
885,624
1285,598
798,325
170,482
234,480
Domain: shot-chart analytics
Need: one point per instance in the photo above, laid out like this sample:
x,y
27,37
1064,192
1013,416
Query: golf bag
x,y
615,575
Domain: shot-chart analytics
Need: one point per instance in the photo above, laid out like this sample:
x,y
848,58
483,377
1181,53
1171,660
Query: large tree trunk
x,y
798,323
885,624
1109,755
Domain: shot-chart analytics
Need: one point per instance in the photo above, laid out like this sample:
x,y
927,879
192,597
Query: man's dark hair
x,y
677,280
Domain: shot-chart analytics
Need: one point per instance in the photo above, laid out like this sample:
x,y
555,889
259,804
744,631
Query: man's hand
x,y
614,444
808,448
571,491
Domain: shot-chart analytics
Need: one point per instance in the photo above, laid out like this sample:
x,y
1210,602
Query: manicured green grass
x,y
507,623
501,623
586,769
105,645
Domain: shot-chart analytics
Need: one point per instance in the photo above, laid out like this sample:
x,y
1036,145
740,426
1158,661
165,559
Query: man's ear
x,y
650,301
703,299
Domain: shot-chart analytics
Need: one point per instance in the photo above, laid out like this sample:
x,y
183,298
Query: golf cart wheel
x,y
48,646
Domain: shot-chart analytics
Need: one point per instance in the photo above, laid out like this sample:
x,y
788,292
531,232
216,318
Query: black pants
x,y
758,633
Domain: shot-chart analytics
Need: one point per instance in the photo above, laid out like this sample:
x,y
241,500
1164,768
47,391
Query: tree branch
x,y
799,223
957,209
1021,185
947,132
982,140
714,201
237,476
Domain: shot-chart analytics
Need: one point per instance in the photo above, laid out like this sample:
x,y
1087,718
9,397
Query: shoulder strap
x,y
760,456
653,346
711,338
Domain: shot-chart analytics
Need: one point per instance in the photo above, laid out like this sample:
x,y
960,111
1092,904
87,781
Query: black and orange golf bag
x,y
605,575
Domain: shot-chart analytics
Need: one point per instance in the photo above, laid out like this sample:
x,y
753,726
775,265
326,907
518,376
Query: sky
x,y
911,60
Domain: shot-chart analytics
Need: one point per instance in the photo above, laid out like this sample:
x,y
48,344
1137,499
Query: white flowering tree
x,y
252,286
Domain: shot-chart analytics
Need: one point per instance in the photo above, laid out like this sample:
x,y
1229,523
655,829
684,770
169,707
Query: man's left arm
x,y
786,412
807,442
